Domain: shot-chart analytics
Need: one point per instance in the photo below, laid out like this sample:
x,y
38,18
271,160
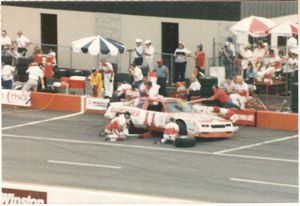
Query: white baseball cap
x,y
148,42
138,41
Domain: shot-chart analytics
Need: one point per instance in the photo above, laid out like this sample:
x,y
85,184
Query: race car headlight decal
x,y
228,125
205,125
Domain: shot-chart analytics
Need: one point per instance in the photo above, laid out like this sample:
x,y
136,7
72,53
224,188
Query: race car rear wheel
x,y
184,141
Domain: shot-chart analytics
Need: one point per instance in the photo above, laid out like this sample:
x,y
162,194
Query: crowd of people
x,y
37,71
259,63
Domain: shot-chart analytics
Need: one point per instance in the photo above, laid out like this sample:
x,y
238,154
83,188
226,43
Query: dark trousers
x,y
179,73
193,94
229,71
162,82
138,61
7,84
22,51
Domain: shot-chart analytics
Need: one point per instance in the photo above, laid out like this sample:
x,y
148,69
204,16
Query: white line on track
x,y
263,182
83,164
146,147
257,144
42,121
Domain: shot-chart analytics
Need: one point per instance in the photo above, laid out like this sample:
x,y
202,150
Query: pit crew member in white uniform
x,y
171,132
148,55
109,75
117,129
35,74
137,75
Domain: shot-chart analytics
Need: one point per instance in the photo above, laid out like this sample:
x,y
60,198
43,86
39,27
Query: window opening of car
x,y
178,106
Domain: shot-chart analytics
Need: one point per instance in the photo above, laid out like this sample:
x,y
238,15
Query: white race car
x,y
154,113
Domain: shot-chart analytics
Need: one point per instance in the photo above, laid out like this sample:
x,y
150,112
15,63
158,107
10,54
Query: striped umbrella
x,y
284,29
253,25
98,45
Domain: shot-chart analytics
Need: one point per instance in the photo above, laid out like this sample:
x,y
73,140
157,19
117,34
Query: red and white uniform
x,y
132,94
122,89
229,114
117,127
108,73
170,132
153,91
239,97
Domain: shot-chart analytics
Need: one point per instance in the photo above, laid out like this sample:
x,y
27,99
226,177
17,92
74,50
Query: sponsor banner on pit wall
x,y
94,103
16,196
16,97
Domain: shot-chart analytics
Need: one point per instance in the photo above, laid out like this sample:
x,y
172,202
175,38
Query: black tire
x,y
182,127
134,130
123,77
185,142
208,81
58,73
76,72
86,73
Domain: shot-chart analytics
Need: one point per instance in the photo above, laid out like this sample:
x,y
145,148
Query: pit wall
x,y
75,103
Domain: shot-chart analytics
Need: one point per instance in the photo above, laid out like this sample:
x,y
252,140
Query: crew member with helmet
x,y
171,132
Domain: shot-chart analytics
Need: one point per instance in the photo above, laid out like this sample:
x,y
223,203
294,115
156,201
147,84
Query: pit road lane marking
x,y
262,182
83,164
42,121
145,147
257,144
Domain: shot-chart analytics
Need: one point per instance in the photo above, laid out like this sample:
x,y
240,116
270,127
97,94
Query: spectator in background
x,y
108,72
96,82
36,51
138,53
227,85
137,75
7,76
259,51
200,61
52,53
289,68
162,77
237,63
194,88
148,55
249,74
247,55
228,58
22,43
180,55
5,43
35,74
13,52
231,45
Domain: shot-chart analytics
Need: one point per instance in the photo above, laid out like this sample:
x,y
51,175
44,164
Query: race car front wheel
x,y
185,141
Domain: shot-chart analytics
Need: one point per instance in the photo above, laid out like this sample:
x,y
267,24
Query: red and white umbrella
x,y
253,25
284,29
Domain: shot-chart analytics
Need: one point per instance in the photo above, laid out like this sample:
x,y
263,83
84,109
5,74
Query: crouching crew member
x,y
117,129
171,132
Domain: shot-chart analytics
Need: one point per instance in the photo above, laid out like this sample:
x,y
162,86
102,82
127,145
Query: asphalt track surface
x,y
56,148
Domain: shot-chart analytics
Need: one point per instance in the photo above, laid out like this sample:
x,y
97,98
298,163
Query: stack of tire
x,y
206,86
60,72
184,140
21,67
294,97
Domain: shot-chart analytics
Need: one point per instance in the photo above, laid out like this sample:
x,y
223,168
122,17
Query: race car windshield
x,y
178,106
